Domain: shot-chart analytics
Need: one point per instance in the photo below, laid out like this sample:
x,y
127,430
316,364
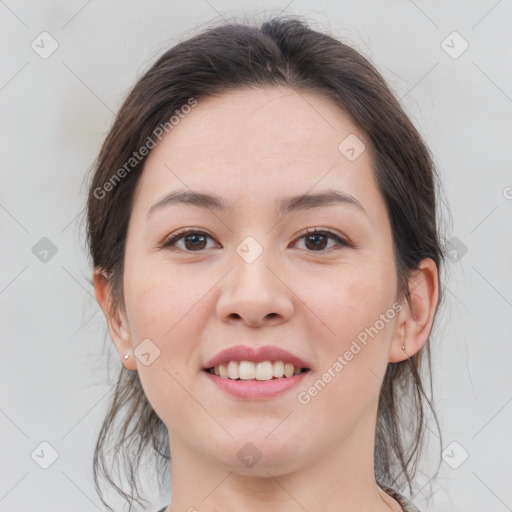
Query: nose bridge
x,y
250,249
253,291
251,262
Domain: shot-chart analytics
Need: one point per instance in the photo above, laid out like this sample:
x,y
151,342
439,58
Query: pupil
x,y
317,236
194,237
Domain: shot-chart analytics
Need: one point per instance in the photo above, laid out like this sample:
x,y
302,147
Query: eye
x,y
316,239
193,240
197,240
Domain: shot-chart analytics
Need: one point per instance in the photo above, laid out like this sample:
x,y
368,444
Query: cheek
x,y
166,308
353,352
349,302
171,307
159,300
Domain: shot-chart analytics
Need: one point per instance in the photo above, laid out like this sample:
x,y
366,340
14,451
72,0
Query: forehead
x,y
259,143
262,120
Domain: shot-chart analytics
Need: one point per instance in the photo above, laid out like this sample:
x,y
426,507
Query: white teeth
x,y
249,370
223,370
233,371
264,370
278,369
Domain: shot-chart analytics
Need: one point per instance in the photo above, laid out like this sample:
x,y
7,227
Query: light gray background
x,y
54,115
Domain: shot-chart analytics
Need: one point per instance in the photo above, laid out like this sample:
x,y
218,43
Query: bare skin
x,y
252,148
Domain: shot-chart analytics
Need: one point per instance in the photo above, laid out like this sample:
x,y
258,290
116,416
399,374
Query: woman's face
x,y
252,276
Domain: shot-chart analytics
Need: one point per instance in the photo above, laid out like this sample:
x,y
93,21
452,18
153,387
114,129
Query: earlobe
x,y
115,320
415,320
399,349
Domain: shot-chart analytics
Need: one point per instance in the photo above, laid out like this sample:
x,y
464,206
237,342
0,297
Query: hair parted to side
x,y
282,51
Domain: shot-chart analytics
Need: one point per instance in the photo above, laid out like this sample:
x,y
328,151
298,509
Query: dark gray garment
x,y
406,505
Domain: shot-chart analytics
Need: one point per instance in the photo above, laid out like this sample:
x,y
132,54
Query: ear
x,y
117,323
415,320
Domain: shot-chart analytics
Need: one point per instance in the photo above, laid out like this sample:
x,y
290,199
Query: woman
x,y
262,225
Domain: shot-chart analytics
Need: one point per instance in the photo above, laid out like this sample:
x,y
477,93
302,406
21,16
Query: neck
x,y
338,480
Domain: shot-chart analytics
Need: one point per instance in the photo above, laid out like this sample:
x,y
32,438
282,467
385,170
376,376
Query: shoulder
x,y
406,504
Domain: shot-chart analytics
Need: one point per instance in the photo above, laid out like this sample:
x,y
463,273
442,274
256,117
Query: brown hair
x,y
282,51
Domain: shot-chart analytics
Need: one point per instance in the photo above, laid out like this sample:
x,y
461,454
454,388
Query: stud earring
x,y
127,356
403,348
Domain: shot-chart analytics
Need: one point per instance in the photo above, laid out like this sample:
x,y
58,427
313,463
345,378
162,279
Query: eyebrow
x,y
286,205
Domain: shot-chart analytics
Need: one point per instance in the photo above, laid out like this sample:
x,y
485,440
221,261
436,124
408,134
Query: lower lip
x,y
256,388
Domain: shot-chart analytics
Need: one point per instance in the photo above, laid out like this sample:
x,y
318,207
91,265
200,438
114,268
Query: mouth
x,y
256,370
251,380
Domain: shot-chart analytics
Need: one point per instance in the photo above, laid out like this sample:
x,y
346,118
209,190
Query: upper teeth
x,y
263,370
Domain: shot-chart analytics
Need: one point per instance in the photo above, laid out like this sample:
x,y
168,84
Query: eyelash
x,y
169,243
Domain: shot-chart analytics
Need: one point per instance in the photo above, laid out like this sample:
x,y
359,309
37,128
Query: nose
x,y
255,293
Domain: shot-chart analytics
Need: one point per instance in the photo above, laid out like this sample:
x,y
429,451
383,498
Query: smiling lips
x,y
254,389
256,373
263,363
